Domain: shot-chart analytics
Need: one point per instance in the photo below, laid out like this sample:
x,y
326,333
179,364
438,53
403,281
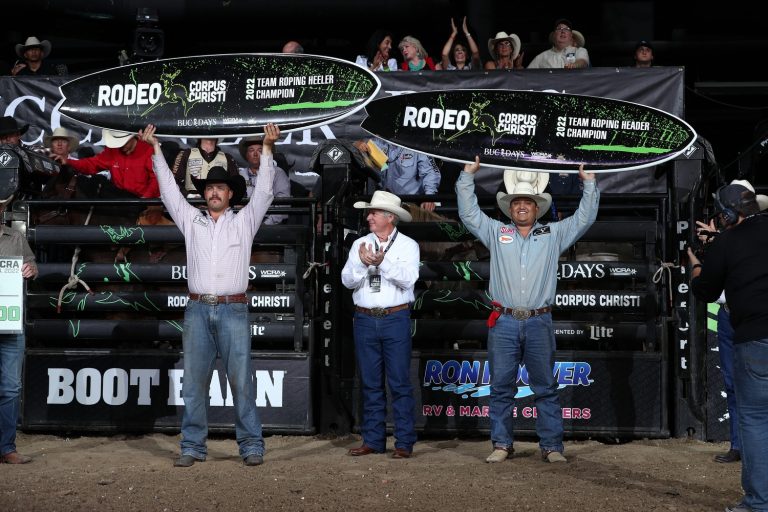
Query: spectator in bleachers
x,y
251,151
505,50
524,265
129,162
455,55
377,53
11,131
406,172
293,47
643,54
61,142
567,50
195,162
415,57
32,55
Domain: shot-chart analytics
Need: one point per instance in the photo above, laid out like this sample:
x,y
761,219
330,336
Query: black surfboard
x,y
221,95
529,130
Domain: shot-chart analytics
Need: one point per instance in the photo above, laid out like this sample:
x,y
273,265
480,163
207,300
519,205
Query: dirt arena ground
x,y
116,473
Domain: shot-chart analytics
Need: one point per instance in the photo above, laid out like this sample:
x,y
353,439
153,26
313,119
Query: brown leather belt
x,y
380,312
212,300
523,314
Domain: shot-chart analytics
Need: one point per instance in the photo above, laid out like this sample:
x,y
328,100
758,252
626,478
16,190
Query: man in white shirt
x,y
218,244
382,268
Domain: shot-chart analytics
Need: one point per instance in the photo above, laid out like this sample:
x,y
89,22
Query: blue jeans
x,y
751,383
725,348
531,342
11,361
209,330
383,348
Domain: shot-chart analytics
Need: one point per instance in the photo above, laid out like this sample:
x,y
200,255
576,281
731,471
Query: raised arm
x,y
445,59
476,62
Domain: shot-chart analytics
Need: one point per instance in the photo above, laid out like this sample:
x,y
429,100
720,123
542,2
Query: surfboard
x,y
221,95
530,130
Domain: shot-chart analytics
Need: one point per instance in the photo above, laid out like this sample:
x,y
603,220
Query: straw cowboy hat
x,y
388,202
578,37
9,125
116,139
33,42
526,184
219,174
762,199
62,133
503,36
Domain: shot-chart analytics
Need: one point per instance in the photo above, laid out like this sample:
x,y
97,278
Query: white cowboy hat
x,y
388,202
62,133
116,139
503,36
526,184
31,42
578,37
762,199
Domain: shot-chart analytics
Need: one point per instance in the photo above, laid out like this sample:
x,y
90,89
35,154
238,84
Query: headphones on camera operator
x,y
729,215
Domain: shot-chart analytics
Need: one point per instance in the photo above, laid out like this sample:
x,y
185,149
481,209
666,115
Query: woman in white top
x,y
459,51
377,53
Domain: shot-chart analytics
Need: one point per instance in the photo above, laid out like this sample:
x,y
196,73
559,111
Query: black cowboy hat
x,y
219,174
9,125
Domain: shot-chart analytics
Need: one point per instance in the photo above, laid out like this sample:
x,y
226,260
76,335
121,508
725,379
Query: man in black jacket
x,y
737,261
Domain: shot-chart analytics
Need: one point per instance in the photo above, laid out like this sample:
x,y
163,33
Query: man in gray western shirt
x,y
524,262
218,243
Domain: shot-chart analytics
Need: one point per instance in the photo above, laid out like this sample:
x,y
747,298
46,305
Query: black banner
x,y
110,390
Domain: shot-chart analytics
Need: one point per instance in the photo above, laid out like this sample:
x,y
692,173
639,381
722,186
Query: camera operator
x,y
736,263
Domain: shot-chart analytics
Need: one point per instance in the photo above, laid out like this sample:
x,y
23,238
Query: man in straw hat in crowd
x,y
12,244
505,50
61,142
524,263
218,244
736,263
382,268
567,50
31,58
129,162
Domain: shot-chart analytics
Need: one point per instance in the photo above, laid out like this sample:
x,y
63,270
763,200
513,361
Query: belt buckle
x,y
209,298
379,312
521,314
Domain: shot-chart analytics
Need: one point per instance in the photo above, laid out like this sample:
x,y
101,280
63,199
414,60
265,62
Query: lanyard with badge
x,y
374,276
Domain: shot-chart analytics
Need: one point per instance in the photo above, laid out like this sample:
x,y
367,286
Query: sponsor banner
x,y
567,270
469,303
530,130
146,301
11,296
127,272
37,103
137,331
581,335
598,393
144,391
220,95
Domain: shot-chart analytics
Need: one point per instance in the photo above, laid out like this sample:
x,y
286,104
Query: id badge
x,y
374,282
